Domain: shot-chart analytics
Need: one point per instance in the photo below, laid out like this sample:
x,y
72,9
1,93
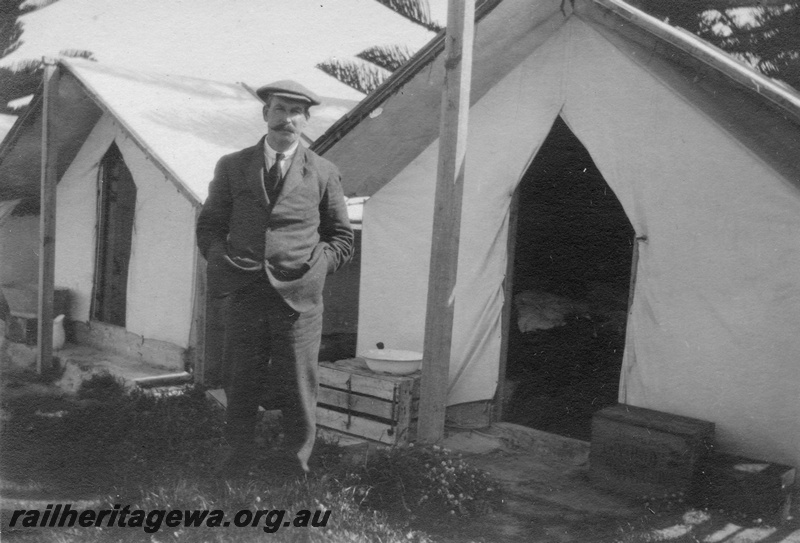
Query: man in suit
x,y
274,225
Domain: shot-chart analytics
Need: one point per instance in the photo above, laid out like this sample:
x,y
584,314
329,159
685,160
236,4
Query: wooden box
x,y
641,452
357,401
23,305
21,329
756,489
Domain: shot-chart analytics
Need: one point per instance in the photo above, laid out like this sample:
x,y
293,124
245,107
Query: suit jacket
x,y
296,240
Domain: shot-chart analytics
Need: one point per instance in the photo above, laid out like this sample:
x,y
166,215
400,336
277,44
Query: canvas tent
x,y
136,154
701,153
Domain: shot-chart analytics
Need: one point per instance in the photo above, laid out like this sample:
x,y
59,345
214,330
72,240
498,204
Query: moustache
x,y
283,128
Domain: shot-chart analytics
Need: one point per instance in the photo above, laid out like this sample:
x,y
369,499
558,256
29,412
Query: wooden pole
x,y
446,220
508,302
47,221
197,332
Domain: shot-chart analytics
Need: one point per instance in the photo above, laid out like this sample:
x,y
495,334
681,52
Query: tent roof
x,y
763,114
252,41
183,124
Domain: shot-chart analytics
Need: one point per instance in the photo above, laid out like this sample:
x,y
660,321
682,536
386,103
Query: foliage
x,y
360,76
417,11
106,436
10,27
423,482
23,78
389,57
376,63
155,452
763,36
770,41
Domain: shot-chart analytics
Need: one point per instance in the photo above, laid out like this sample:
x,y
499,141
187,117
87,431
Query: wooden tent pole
x,y
446,220
508,297
47,221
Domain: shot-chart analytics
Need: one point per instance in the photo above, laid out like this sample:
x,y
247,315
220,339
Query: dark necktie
x,y
274,176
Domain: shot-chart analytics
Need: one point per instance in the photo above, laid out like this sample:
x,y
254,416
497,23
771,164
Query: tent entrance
x,y
116,206
571,276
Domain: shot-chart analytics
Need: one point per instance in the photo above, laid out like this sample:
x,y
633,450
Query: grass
x,y
158,453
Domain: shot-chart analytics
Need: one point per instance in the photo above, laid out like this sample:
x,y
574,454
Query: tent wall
x,y
713,327
161,274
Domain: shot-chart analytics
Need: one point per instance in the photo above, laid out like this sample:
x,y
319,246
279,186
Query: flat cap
x,y
288,89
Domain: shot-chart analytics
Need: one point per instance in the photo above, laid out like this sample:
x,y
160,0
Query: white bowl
x,y
393,361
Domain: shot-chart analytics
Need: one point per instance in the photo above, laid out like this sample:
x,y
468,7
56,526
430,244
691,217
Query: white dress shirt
x,y
269,155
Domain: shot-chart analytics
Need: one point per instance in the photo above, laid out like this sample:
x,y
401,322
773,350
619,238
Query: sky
x,y
249,41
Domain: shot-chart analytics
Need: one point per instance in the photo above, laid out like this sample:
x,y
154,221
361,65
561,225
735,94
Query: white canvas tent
x,y
169,131
700,151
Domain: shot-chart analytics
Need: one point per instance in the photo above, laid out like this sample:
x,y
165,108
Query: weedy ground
x,y
114,446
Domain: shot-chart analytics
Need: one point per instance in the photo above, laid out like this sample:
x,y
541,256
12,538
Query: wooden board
x,y
364,428
353,402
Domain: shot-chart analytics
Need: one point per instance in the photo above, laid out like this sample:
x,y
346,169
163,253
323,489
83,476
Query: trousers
x,y
271,352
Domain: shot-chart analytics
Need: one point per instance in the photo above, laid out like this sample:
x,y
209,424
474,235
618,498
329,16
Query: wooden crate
x,y
641,452
23,305
356,401
756,489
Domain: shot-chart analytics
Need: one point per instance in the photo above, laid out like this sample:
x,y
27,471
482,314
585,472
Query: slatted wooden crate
x,y
23,305
356,401
642,452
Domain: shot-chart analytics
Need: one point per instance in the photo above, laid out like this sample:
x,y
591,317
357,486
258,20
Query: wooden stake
x,y
446,220
47,221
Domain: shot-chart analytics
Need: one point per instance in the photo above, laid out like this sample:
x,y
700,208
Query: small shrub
x,y
423,482
102,387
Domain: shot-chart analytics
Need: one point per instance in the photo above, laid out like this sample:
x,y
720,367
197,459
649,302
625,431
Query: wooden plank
x,y
197,332
360,426
47,220
406,409
358,366
657,421
356,403
118,340
508,303
361,384
446,219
